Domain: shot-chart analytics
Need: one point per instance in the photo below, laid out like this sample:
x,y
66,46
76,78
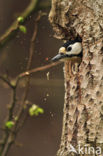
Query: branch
x,y
7,135
6,81
10,135
38,69
30,71
31,51
15,25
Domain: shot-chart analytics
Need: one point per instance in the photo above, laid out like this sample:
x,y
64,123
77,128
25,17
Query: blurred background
x,y
40,136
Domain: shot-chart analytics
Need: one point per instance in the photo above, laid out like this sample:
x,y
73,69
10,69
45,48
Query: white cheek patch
x,y
76,48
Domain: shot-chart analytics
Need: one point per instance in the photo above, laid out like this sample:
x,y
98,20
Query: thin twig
x,y
6,81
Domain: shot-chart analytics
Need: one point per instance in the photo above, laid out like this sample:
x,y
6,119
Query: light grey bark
x,y
83,106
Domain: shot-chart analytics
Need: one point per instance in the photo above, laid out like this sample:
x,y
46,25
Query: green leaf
x,y
35,110
20,19
40,110
9,124
23,29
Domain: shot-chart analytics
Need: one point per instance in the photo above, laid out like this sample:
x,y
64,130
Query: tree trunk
x,y
83,106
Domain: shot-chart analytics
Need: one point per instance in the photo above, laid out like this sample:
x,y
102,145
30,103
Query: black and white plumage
x,y
71,50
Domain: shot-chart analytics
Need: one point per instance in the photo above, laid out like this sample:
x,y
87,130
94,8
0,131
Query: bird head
x,y
69,50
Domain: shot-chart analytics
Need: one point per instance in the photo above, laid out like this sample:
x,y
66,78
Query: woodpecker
x,y
71,50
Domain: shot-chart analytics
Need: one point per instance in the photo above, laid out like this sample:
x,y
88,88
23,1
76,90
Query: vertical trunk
x,y
83,106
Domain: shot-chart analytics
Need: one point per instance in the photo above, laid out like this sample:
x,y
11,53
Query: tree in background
x,y
83,106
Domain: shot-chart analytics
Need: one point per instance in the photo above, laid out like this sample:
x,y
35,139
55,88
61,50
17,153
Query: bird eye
x,y
69,48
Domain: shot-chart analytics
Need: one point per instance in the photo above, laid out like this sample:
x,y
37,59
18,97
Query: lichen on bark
x,y
83,105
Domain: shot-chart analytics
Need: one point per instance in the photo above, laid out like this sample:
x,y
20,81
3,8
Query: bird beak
x,y
58,57
61,55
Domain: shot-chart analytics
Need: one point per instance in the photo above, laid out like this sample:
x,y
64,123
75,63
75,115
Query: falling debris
x,y
52,115
47,94
48,74
46,58
45,99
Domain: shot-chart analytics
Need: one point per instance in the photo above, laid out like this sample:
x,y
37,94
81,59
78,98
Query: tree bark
x,y
83,105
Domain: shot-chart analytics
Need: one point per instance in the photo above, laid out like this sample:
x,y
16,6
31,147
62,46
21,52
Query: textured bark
x,y
83,106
